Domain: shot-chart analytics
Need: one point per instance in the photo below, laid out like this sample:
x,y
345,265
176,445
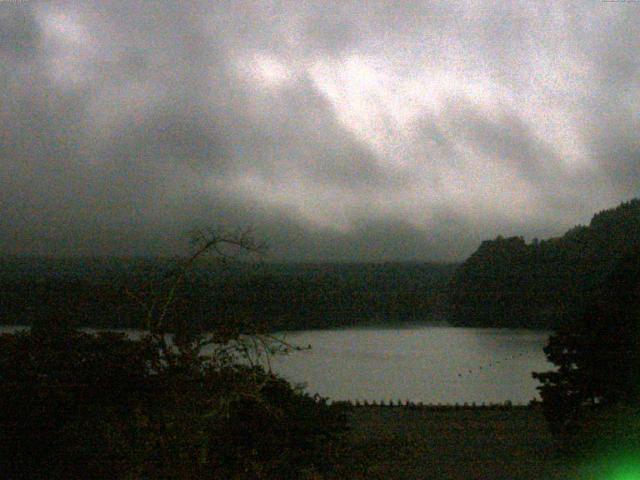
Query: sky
x,y
338,131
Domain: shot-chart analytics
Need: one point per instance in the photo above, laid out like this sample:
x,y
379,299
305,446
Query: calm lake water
x,y
430,364
427,364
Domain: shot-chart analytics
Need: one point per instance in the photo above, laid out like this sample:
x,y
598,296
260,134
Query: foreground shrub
x,y
80,405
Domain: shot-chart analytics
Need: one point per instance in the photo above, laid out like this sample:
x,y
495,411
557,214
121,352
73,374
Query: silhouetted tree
x,y
81,405
598,354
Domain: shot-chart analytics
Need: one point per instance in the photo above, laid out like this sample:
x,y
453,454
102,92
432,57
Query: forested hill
x,y
509,283
98,292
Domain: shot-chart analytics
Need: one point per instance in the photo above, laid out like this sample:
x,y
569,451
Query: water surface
x,y
427,364
430,364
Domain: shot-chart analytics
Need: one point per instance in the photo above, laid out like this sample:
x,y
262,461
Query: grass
x,y
422,443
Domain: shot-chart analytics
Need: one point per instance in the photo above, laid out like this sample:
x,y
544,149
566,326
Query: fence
x,y
507,405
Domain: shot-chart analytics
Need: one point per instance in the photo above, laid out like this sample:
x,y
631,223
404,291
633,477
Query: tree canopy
x,y
598,354
543,284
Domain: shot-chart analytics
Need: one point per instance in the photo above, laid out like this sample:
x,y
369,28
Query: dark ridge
x,y
96,292
543,284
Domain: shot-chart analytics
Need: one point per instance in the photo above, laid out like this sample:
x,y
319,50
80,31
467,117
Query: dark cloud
x,y
188,138
340,130
19,32
507,139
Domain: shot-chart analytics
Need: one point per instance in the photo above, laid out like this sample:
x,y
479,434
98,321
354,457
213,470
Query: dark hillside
x,y
509,283
278,296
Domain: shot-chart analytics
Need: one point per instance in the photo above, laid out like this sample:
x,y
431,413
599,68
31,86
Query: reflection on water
x,y
431,364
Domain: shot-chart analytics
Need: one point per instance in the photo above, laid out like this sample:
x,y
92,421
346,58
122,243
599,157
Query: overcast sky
x,y
368,130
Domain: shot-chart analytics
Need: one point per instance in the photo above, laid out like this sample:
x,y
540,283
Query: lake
x,y
430,364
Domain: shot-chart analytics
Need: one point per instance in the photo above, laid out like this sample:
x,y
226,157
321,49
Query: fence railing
x,y
507,405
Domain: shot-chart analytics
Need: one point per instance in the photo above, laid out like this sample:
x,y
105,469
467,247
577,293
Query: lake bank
x,y
462,444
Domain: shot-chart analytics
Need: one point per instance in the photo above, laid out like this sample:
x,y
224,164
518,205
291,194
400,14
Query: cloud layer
x,y
339,130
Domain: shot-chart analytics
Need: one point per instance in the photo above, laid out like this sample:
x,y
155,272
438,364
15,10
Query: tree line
x,y
508,282
96,292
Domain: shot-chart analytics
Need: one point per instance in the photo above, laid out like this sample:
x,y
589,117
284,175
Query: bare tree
x,y
227,342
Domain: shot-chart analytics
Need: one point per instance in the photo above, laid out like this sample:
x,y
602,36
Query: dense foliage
x,y
94,292
78,405
81,405
510,283
597,355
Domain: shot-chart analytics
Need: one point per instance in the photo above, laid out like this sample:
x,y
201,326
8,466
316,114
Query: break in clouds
x,y
339,130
